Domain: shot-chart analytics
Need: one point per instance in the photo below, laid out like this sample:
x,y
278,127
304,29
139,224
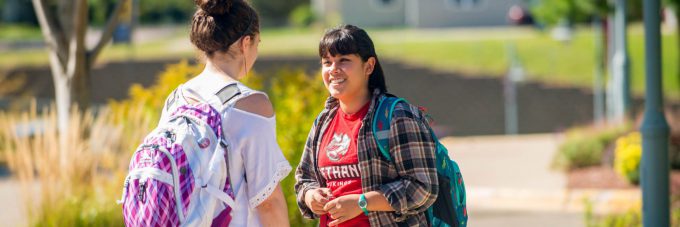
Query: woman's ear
x,y
370,65
246,41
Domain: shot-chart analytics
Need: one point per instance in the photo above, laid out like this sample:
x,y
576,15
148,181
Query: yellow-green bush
x,y
628,154
139,113
297,99
584,146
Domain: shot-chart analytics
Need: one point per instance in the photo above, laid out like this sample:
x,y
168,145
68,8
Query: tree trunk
x,y
70,61
63,96
78,68
81,87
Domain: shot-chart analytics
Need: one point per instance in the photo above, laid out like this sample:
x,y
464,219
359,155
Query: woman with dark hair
x,y
343,178
227,32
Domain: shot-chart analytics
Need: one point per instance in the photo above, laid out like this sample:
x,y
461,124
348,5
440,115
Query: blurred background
x,y
539,101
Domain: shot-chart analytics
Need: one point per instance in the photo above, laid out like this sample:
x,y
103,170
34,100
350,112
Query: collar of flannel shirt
x,y
332,102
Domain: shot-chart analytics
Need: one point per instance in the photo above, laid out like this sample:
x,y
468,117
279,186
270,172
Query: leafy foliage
x,y
585,146
628,155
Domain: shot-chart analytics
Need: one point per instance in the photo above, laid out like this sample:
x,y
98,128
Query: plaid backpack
x,y
449,210
179,175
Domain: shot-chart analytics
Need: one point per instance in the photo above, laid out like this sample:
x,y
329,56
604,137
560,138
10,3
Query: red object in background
x,y
519,16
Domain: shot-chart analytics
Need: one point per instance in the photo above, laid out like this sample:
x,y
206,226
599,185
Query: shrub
x,y
628,155
585,146
165,11
302,16
630,218
297,99
139,114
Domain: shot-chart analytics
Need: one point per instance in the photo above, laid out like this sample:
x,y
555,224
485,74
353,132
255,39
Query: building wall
x,y
418,13
458,13
372,13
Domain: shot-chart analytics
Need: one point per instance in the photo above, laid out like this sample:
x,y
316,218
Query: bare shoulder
x,y
257,103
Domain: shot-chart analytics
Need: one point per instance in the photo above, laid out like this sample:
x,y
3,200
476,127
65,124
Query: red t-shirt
x,y
338,161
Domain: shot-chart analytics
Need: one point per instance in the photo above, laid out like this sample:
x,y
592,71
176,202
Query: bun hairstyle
x,y
219,23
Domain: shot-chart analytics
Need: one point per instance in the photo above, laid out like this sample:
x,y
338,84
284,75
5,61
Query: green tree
x,y
166,11
275,13
302,16
551,12
100,10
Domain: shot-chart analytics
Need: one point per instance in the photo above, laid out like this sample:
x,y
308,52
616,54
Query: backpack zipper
x,y
142,191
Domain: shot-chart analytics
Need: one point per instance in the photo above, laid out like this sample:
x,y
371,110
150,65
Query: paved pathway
x,y
13,209
509,182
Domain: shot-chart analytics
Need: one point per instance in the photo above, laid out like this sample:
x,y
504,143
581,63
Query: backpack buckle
x,y
170,135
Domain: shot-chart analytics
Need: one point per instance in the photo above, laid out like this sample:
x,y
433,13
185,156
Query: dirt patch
x,y
604,177
600,177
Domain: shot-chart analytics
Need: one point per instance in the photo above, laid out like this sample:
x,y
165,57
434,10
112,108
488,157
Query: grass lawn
x,y
543,58
470,51
19,32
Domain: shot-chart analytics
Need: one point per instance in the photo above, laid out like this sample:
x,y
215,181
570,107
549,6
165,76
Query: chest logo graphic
x,y
337,147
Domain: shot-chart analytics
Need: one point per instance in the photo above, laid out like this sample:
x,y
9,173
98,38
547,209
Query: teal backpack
x,y
449,210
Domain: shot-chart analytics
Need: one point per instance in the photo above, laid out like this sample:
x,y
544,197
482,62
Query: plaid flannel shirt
x,y
409,181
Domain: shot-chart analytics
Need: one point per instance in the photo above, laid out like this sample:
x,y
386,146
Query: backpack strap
x,y
171,99
381,123
228,93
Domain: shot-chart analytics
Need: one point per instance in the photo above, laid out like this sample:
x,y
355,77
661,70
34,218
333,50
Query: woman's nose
x,y
334,68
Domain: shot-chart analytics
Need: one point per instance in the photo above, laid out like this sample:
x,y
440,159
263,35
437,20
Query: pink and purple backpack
x,y
179,175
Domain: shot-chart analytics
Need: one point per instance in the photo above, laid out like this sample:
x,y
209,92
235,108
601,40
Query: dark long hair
x,y
350,39
219,23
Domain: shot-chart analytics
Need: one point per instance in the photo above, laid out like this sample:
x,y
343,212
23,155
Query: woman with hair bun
x,y
227,32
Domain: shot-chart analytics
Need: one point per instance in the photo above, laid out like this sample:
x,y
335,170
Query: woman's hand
x,y
343,208
317,198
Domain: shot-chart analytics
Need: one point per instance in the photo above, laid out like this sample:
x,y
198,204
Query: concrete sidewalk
x,y
13,211
509,183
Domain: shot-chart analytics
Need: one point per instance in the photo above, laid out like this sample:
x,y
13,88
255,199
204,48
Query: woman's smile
x,y
337,81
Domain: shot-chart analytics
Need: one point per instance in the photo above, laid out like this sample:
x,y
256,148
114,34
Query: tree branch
x,y
77,42
53,35
108,31
64,12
